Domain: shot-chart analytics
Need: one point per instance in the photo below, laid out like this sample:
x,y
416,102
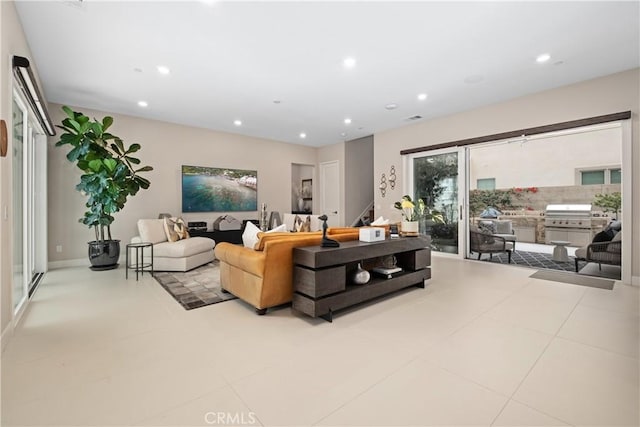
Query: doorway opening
x,y
302,188
546,197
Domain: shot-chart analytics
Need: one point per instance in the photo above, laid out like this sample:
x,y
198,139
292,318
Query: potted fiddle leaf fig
x,y
110,174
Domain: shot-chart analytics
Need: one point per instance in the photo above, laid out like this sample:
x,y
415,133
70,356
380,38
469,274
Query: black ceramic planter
x,y
104,255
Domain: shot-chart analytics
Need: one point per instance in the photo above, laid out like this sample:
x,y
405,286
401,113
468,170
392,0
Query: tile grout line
x,y
554,336
246,404
419,356
366,390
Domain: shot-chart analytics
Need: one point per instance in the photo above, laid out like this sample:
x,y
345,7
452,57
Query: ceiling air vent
x,y
416,117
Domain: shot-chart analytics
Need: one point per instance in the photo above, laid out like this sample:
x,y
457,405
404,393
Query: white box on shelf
x,y
371,234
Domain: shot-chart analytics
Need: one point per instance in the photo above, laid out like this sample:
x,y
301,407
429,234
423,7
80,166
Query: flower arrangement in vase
x,y
413,213
410,214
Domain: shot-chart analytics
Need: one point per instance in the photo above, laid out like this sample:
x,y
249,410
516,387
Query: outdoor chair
x,y
601,252
484,243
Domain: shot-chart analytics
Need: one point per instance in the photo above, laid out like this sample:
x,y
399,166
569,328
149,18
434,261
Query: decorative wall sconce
x,y
392,177
383,185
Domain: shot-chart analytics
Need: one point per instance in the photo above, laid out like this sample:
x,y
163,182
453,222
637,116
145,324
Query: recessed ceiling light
x,y
163,69
143,104
347,121
391,106
343,134
237,122
303,135
422,96
349,62
543,58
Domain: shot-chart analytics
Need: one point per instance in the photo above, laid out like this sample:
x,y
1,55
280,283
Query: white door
x,y
330,192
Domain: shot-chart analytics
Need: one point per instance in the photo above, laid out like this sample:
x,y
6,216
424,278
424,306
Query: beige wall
x,y
605,95
12,42
538,163
166,147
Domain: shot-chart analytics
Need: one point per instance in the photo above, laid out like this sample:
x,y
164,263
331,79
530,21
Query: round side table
x,y
139,266
560,251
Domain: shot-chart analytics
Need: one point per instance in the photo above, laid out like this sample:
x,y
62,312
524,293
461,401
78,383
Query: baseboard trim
x,y
81,262
635,280
6,336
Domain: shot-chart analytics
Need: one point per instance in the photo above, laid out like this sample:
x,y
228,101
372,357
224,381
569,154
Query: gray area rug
x,y
573,278
196,288
531,259
539,260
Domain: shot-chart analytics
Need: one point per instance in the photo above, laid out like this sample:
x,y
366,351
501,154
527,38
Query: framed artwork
x,y
207,189
307,189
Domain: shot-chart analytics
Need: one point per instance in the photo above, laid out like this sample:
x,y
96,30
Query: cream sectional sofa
x,y
182,255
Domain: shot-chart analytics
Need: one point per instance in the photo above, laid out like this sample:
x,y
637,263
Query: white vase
x,y
300,204
409,226
360,276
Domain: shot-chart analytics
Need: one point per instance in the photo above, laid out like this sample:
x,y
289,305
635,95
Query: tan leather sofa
x,y
263,276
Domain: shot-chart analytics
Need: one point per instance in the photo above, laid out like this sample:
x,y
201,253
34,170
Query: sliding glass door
x,y
438,178
29,198
18,159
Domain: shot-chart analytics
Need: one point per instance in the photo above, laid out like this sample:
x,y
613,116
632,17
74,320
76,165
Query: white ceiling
x,y
232,60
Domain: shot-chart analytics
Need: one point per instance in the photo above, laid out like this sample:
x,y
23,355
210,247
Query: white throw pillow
x,y
250,234
279,229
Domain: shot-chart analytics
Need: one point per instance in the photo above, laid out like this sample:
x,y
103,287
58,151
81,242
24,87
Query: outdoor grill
x,y
571,223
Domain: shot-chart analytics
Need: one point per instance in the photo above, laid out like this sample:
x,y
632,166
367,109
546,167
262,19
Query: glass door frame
x,y
32,205
463,190
18,211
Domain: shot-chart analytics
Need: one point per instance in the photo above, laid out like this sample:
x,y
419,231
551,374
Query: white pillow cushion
x,y
152,230
316,224
279,229
250,234
288,220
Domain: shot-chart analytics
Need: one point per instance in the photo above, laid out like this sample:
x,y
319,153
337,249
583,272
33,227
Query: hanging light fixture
x,y
28,84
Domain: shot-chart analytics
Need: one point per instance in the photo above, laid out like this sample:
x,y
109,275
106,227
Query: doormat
x,y
573,278
196,288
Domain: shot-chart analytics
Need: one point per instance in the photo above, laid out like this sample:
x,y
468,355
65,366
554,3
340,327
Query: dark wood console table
x,y
321,281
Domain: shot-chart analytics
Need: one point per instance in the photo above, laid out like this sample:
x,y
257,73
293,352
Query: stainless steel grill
x,y
569,222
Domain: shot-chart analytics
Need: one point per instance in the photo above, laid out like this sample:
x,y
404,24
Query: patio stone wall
x,y
571,194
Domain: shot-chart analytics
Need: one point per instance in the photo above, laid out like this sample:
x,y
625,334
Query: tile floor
x,y
482,345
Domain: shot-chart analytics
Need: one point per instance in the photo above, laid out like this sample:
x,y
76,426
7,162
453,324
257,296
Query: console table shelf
x,y
320,275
